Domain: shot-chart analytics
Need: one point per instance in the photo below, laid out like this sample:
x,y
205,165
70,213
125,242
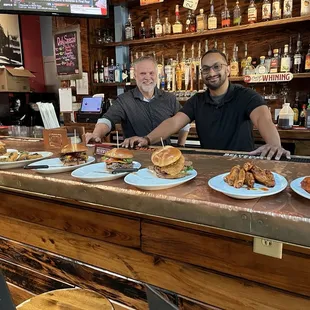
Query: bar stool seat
x,y
67,299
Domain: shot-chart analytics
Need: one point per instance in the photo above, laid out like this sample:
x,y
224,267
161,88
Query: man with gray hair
x,y
141,109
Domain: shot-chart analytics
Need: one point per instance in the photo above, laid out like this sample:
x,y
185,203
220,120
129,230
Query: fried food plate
x,y
296,187
22,163
259,190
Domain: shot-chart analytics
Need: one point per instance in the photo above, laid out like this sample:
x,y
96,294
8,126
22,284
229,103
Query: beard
x,y
147,87
219,80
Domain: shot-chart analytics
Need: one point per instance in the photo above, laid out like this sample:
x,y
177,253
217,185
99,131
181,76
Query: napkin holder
x,y
57,138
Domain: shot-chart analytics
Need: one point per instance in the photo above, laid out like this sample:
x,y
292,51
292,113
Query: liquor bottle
x,y
177,26
276,9
96,73
190,24
305,7
266,10
249,69
268,59
101,72
151,28
287,8
215,45
111,72
212,19
261,68
290,51
307,62
117,74
244,60
206,45
297,67
158,26
166,27
132,69
252,12
225,16
106,71
224,48
237,14
274,63
125,76
296,109
129,29
142,31
201,22
285,60
234,64
302,116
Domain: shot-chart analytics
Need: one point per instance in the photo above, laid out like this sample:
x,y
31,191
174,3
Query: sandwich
x,y
118,158
2,148
73,154
169,163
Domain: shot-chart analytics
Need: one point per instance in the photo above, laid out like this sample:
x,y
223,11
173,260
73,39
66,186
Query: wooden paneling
x,y
227,255
185,279
92,223
18,294
187,304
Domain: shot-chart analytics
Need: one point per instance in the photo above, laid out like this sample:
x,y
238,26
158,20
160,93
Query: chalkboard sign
x,y
67,52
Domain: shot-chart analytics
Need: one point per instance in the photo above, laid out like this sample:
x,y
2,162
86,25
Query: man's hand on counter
x,y
269,151
135,141
90,137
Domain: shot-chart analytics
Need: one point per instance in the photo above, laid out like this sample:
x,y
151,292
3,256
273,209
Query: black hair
x,y
214,51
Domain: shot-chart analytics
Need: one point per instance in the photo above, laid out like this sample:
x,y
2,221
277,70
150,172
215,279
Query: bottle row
x,y
271,10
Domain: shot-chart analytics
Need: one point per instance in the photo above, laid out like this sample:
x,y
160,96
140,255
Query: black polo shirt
x,y
139,117
225,125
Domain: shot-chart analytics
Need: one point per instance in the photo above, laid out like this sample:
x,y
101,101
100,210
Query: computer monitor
x,y
6,302
91,105
156,301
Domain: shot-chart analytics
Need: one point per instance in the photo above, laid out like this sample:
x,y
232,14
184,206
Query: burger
x,y
2,148
118,158
169,163
73,154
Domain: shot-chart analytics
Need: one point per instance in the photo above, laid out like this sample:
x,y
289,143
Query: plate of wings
x,y
301,186
248,182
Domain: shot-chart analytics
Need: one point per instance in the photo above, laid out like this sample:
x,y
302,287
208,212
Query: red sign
x,y
271,77
146,2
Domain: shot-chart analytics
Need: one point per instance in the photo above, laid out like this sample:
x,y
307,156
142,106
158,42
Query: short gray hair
x,y
143,58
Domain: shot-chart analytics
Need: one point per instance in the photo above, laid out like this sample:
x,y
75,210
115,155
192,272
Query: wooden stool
x,y
67,299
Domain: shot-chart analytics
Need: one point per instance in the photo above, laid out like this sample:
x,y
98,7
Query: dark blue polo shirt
x,y
225,125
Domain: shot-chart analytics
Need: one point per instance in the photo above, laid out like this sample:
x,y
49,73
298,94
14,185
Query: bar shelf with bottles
x,y
203,25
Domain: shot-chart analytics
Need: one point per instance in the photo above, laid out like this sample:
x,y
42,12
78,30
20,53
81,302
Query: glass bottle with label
x,y
297,67
285,60
296,109
106,71
177,26
276,9
212,19
268,59
201,21
249,68
158,26
307,62
266,10
151,28
96,72
225,16
286,117
142,31
234,64
302,116
261,68
274,63
117,74
166,27
237,14
125,76
244,59
111,71
305,7
190,24
101,72
132,69
252,12
129,29
287,8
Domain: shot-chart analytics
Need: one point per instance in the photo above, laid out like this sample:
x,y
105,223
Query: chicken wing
x,y
233,175
259,175
305,184
249,179
240,180
247,166
270,179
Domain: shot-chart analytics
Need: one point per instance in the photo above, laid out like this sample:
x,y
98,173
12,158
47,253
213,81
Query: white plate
x,y
146,179
296,187
22,163
60,167
217,183
95,173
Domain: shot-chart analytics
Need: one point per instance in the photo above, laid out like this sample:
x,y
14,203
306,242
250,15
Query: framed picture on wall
x,y
10,41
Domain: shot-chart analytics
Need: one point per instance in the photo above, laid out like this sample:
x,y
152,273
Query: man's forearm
x,y
269,133
182,137
101,130
164,130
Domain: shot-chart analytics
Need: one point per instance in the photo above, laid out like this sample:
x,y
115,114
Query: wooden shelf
x,y
207,33
112,84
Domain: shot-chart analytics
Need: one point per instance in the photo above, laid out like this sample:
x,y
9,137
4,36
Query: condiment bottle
x,y
286,117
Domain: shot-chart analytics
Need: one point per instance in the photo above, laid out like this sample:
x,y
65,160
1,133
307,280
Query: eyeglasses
x,y
216,68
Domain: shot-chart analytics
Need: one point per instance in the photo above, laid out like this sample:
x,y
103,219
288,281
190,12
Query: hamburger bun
x,y
119,153
174,168
166,156
73,148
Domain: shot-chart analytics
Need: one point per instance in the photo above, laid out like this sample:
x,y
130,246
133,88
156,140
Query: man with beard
x,y
141,109
224,115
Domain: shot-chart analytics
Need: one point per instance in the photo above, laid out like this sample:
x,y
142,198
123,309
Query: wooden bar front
x,y
57,232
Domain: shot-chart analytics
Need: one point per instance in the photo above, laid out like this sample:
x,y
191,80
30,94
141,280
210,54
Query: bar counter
x,y
190,240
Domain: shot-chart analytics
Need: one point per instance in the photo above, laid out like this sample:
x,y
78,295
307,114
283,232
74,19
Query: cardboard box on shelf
x,y
57,138
15,80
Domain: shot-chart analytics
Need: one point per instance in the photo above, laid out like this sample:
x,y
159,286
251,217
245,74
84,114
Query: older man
x,y
224,114
141,109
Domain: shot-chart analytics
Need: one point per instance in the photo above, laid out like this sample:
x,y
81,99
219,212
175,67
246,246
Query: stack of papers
x,y
48,115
